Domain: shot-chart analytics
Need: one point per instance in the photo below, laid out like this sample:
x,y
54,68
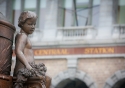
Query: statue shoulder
x,y
20,37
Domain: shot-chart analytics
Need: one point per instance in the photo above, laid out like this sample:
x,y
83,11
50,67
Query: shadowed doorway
x,y
67,83
120,84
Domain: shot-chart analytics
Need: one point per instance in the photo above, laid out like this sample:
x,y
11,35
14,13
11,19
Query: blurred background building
x,y
82,42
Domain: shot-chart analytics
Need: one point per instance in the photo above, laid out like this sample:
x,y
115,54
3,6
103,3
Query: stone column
x,y
50,20
105,19
72,67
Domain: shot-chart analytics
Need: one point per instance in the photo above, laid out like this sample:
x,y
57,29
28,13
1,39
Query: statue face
x,y
29,26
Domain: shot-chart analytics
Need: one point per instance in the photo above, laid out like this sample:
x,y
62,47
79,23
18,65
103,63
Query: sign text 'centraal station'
x,y
79,51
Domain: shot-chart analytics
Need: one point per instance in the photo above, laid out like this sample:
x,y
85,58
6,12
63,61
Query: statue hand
x,y
29,67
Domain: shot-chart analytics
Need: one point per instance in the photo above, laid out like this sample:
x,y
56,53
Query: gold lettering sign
x,y
78,51
98,50
51,52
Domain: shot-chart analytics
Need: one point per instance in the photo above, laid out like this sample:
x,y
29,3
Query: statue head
x,y
24,16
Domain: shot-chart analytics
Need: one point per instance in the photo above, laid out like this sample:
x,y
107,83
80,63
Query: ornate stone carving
x,y
37,71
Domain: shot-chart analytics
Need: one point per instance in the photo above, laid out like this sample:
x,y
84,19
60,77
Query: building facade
x,y
82,42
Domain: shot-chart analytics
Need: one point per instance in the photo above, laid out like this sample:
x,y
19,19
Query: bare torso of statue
x,y
27,51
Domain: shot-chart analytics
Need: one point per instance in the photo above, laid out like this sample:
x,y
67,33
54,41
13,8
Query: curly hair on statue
x,y
24,16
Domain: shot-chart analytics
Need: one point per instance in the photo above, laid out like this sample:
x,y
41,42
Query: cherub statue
x,y
25,65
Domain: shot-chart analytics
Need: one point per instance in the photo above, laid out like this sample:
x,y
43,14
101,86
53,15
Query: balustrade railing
x,y
76,32
119,30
